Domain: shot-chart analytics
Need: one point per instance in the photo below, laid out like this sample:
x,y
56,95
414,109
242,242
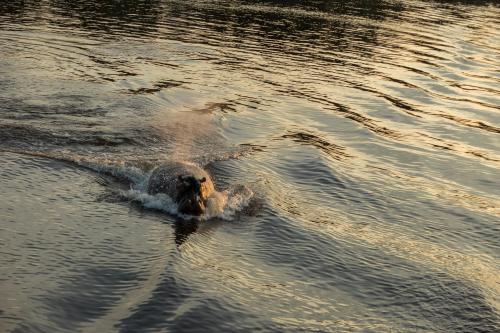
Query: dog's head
x,y
189,195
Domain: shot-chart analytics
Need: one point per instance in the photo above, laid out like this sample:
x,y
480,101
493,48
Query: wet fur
x,y
181,181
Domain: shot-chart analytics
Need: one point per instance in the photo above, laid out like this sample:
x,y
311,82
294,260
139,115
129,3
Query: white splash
x,y
161,202
224,205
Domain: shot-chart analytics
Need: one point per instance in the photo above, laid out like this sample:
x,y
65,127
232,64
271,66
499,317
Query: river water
x,y
357,144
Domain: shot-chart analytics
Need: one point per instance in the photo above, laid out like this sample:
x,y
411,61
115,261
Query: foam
x,y
224,204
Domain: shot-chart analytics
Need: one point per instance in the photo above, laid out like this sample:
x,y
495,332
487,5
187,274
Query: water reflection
x,y
368,131
240,20
183,229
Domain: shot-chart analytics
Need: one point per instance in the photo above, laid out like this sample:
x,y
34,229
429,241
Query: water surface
x,y
357,143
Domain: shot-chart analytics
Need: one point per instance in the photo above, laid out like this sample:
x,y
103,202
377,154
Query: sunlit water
x,y
356,143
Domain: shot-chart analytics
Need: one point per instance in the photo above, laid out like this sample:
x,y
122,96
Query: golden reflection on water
x,y
450,192
461,263
218,264
338,115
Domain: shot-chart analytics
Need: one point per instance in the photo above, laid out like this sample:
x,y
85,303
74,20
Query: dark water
x,y
356,143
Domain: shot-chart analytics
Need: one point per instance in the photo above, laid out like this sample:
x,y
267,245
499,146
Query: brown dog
x,y
187,184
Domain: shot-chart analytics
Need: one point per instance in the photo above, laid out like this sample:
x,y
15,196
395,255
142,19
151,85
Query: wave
x,y
223,205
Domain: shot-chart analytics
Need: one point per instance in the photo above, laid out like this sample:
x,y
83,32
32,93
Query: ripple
x,y
365,133
335,151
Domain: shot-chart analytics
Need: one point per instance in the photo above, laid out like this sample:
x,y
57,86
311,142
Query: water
x,y
356,143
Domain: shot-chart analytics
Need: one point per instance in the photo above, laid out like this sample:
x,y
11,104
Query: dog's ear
x,y
202,180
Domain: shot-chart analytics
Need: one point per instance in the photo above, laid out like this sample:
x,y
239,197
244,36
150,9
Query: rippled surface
x,y
367,131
